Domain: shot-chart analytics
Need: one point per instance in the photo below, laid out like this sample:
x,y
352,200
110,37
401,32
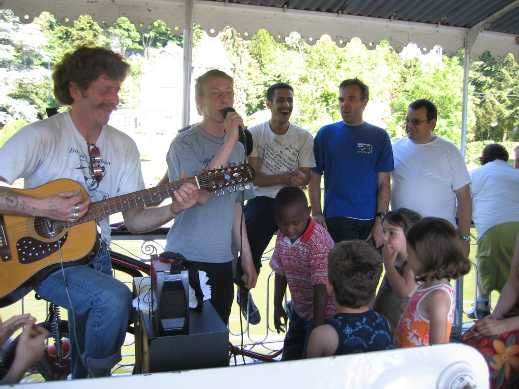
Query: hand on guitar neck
x,y
184,197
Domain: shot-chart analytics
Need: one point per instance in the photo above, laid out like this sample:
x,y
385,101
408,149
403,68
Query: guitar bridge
x,y
31,250
5,253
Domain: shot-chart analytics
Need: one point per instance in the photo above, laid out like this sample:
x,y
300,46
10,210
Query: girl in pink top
x,y
436,256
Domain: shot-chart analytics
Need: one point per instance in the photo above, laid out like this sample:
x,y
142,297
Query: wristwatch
x,y
380,215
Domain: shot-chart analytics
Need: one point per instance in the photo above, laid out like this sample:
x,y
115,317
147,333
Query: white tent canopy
x,y
213,16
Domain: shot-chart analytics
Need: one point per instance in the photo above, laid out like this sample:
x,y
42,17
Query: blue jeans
x,y
101,305
103,260
296,339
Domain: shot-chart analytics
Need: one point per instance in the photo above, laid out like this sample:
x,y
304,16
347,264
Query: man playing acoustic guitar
x,y
79,145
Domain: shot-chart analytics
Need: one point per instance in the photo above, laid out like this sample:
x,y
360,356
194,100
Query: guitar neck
x,y
140,199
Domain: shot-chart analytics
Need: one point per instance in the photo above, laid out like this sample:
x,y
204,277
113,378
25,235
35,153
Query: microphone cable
x,y
72,319
245,138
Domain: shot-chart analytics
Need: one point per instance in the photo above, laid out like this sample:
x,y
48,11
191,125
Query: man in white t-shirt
x,y
80,145
495,201
282,155
430,176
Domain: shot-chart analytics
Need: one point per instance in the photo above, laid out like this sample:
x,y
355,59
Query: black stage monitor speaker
x,y
172,316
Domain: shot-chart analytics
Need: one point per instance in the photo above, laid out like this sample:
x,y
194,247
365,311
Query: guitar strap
x,y
194,282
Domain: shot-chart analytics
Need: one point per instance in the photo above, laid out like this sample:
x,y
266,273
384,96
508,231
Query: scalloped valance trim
x,y
213,17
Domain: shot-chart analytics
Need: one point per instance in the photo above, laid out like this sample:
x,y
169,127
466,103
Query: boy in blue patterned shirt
x,y
354,269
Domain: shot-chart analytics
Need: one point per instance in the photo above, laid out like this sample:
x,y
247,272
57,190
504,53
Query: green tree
x,y
63,38
159,34
125,37
37,94
248,77
21,60
496,96
439,81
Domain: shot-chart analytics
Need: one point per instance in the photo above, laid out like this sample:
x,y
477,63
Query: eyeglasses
x,y
97,171
414,122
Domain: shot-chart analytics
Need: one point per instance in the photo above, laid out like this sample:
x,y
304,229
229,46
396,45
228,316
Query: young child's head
x,y
291,211
354,269
434,250
396,224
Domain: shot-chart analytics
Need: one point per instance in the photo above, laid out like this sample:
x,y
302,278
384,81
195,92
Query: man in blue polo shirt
x,y
356,159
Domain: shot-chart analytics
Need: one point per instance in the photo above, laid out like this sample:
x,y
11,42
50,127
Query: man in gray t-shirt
x,y
204,234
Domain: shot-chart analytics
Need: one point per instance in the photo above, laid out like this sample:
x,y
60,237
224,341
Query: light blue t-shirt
x,y
202,233
350,157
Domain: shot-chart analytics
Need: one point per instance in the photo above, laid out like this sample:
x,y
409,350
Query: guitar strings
x,y
203,179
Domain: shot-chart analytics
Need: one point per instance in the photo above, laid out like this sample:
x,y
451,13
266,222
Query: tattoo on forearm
x,y
10,201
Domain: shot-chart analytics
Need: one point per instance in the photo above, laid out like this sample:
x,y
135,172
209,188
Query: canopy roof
x,y
426,23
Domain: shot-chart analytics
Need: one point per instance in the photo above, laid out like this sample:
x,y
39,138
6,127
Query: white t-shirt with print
x,y
281,153
53,148
426,177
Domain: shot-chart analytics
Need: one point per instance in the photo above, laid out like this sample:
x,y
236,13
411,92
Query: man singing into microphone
x,y
204,233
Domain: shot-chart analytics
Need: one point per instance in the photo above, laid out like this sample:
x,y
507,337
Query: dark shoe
x,y
248,309
479,311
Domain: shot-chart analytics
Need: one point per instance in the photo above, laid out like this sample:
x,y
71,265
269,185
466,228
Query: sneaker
x,y
248,309
478,311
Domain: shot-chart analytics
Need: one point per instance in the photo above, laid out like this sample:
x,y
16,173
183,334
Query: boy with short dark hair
x,y
300,260
354,272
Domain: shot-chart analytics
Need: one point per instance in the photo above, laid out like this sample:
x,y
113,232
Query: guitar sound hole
x,y
48,228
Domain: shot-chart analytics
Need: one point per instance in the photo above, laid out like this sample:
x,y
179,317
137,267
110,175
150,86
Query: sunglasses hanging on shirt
x,y
97,171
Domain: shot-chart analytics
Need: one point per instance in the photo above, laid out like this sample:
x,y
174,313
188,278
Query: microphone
x,y
245,137
228,110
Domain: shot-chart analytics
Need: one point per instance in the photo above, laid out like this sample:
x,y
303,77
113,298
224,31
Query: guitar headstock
x,y
227,179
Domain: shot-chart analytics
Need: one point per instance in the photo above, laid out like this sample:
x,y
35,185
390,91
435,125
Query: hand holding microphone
x,y
233,122
234,126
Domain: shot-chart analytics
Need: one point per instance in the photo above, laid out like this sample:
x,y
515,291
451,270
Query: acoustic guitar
x,y
31,247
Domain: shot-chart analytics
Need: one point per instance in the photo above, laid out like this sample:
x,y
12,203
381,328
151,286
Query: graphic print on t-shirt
x,y
364,148
91,184
277,158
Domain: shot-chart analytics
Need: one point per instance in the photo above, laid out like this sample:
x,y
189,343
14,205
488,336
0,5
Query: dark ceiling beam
x,y
474,31
480,13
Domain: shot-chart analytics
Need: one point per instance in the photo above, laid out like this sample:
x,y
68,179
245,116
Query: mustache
x,y
107,106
